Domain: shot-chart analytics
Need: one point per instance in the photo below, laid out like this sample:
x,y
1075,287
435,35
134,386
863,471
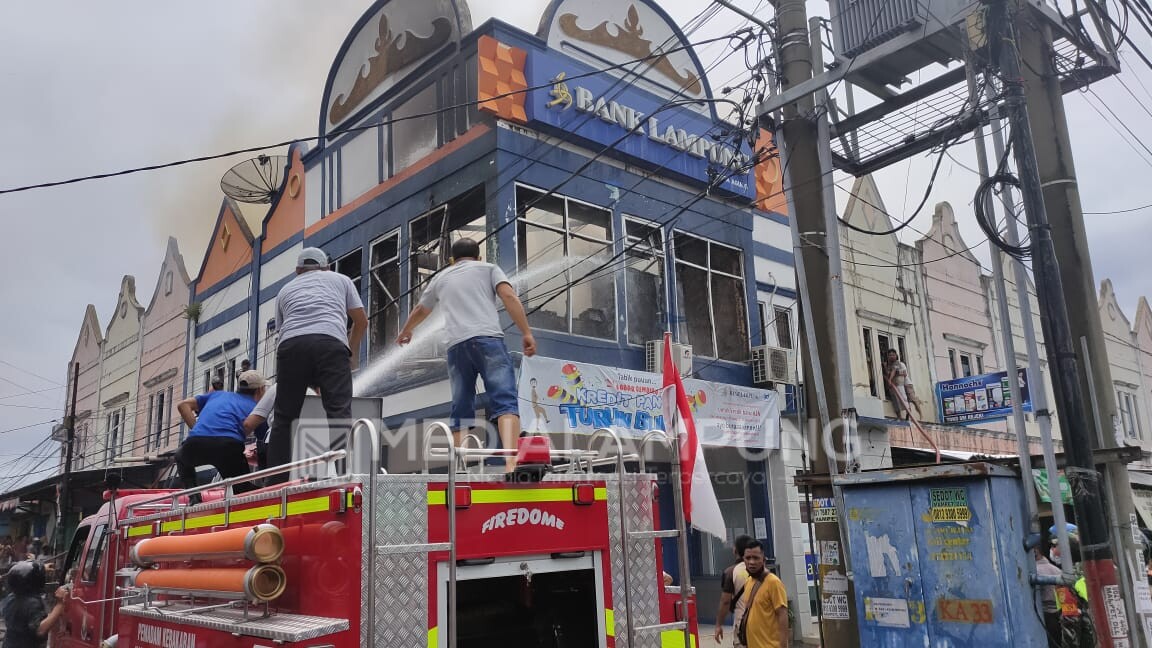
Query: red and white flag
x,y
701,509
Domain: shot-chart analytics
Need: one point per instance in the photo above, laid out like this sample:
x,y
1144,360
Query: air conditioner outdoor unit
x,y
773,364
681,353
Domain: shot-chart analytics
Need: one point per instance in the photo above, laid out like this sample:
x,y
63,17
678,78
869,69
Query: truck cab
x,y
90,611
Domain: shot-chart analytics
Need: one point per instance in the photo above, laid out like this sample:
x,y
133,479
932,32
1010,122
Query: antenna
x,y
255,180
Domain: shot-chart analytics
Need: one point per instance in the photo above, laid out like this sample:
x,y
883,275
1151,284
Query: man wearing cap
x,y
315,348
216,431
467,292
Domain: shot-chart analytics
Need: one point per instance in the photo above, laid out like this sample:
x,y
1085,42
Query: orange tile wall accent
x,y
501,72
770,177
288,219
222,263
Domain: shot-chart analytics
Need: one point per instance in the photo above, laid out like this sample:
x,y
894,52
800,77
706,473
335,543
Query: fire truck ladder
x,y
579,461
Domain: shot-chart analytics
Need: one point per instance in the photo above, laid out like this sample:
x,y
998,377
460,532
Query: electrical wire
x,y
34,375
908,221
338,132
1118,211
30,425
981,199
1134,136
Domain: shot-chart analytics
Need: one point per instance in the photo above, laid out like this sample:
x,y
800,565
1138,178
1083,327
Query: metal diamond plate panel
x,y
401,510
365,583
641,555
637,507
400,507
401,601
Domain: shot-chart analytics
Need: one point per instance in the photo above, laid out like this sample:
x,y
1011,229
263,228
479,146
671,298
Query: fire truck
x,y
565,553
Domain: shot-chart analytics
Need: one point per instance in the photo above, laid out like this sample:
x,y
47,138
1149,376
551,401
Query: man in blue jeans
x,y
467,291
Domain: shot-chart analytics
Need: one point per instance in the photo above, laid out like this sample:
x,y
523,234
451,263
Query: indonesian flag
x,y
701,509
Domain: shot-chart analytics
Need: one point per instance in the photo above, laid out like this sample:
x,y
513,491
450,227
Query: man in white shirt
x,y
467,291
314,347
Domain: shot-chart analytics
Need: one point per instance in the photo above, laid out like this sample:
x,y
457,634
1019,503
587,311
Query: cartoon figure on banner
x,y
538,412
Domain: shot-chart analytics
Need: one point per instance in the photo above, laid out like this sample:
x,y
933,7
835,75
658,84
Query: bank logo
x,y
560,93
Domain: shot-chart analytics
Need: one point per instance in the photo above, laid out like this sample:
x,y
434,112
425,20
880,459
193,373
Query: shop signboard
x,y
974,399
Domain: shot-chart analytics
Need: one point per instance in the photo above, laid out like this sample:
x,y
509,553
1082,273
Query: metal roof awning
x,y
1126,454
1142,495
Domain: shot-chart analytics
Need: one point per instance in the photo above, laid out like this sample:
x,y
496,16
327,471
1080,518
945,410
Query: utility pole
x,y
813,242
69,444
1096,553
1062,201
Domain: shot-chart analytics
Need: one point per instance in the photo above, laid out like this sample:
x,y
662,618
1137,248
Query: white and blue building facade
x,y
610,196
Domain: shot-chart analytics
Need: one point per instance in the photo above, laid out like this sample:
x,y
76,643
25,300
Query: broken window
x,y
161,421
384,293
569,284
870,361
115,421
415,129
431,235
349,265
713,304
644,281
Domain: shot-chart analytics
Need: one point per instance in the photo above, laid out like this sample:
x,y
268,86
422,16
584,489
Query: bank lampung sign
x,y
561,395
611,112
986,397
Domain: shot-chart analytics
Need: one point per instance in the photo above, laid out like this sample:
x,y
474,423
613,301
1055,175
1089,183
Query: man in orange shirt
x,y
765,622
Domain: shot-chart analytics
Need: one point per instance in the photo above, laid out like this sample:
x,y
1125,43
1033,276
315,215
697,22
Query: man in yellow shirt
x,y
765,622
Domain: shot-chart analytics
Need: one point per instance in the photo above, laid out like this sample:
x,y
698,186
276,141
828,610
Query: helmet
x,y
1073,532
26,577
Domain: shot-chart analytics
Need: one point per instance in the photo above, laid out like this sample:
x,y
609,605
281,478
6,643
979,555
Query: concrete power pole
x,y
1062,203
807,192
1100,572
66,477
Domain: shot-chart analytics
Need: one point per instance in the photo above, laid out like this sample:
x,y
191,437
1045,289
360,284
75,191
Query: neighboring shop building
x,y
164,333
1129,344
88,353
221,304
116,416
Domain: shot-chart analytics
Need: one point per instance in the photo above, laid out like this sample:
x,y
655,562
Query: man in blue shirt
x,y
216,431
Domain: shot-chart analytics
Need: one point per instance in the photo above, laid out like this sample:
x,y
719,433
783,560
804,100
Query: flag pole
x,y
681,523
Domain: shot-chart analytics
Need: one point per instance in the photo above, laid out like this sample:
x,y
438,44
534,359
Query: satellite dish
x,y
255,180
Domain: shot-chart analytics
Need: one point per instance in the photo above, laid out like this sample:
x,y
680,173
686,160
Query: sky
x,y
97,87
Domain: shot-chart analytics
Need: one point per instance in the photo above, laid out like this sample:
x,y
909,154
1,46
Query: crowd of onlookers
x,y
22,548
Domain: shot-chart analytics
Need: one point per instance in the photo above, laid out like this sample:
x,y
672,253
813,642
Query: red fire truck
x,y
571,558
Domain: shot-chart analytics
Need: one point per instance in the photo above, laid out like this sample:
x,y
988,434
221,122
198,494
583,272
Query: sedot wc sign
x,y
561,395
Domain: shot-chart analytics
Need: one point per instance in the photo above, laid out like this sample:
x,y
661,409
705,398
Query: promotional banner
x,y
560,395
980,398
